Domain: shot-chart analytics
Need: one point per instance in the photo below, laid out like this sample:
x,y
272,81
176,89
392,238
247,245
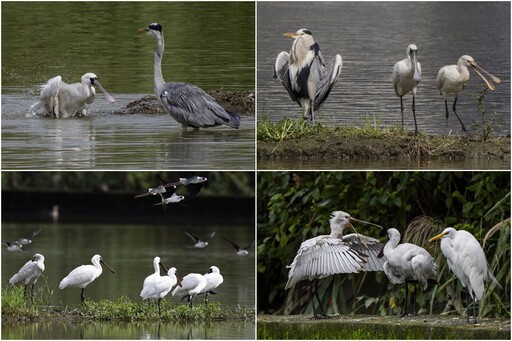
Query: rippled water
x,y
371,37
210,45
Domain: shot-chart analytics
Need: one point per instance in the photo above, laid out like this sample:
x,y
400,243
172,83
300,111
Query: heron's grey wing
x,y
193,107
323,256
282,73
324,78
369,247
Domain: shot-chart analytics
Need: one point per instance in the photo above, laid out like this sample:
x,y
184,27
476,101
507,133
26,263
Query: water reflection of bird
x,y
84,275
186,103
200,243
304,73
408,263
239,250
326,255
60,99
191,285
467,260
451,79
406,76
29,273
213,280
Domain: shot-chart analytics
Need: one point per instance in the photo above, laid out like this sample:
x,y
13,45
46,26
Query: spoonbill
x,y
84,275
191,285
213,280
304,73
467,260
29,273
408,263
240,251
200,243
186,103
326,255
451,79
406,77
156,286
65,100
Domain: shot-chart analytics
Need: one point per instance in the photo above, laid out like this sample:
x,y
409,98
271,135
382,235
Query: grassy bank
x,y
16,308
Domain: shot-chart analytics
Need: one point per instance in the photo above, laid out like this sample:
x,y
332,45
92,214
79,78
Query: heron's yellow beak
x,y
291,35
441,235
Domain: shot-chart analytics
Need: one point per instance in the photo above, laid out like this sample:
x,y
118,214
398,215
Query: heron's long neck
x,y
159,79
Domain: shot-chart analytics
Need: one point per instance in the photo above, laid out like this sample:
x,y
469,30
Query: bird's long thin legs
x,y
402,110
404,312
206,300
82,296
159,311
413,115
447,115
455,112
322,315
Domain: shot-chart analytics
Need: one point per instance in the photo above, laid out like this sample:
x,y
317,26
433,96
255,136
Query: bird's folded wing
x,y
282,73
324,78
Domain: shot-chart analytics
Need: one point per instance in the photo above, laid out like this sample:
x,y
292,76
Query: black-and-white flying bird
x,y
172,199
193,184
200,243
240,251
158,189
304,73
13,246
28,240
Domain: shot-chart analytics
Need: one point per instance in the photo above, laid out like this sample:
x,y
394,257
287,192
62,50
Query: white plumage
x,y
213,280
30,272
192,285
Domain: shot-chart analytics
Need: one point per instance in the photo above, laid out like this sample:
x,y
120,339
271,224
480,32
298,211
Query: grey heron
x,y
304,73
29,273
186,103
84,275
408,263
191,285
327,255
451,79
200,243
467,260
406,76
60,99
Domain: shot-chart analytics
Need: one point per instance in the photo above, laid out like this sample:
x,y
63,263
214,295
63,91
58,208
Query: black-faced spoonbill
x,y
186,103
213,280
304,73
451,79
84,275
467,260
406,76
327,255
65,100
191,285
408,263
29,273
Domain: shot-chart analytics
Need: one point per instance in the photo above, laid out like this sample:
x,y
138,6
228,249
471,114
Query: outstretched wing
x,y
324,78
369,247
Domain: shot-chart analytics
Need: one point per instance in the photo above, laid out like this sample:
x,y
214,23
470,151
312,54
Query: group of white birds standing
x,y
404,263
155,286
309,79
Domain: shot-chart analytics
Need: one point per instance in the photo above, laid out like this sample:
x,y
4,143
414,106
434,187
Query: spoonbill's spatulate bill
x,y
29,273
186,103
467,261
408,263
327,255
406,76
84,275
60,99
304,73
451,79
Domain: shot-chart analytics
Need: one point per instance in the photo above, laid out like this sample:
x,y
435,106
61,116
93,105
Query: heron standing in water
x,y
304,73
186,103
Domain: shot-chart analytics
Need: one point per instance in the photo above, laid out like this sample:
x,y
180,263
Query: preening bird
x,y
467,260
29,273
406,76
186,103
213,280
408,263
326,255
304,73
60,99
84,275
191,285
452,79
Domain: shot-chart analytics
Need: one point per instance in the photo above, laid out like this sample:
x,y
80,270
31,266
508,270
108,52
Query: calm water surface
x,y
371,37
129,250
210,45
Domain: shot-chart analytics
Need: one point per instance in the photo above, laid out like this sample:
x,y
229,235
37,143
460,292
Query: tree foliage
x,y
295,206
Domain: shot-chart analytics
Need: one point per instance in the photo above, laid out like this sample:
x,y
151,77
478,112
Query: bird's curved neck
x,y
391,244
337,230
159,79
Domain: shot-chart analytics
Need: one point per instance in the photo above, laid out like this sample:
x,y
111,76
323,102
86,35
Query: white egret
x,y
200,243
29,273
326,255
406,76
467,260
408,263
60,99
191,285
451,79
304,73
186,103
84,275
